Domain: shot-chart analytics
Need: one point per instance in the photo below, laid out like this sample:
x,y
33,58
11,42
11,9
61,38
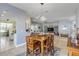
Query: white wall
x,y
78,18
64,27
20,17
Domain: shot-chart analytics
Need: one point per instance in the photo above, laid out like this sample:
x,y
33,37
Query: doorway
x,y
7,34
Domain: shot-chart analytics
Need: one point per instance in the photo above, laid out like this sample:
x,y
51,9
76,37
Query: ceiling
x,y
52,11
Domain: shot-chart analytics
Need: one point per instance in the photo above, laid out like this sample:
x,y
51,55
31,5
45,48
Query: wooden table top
x,y
39,37
71,45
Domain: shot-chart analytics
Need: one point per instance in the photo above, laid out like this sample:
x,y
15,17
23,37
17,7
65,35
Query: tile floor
x,y
5,43
59,42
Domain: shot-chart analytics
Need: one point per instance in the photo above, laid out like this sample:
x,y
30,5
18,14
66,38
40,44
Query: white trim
x,y
20,45
15,40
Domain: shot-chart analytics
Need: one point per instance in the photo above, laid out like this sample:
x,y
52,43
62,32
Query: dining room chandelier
x,y
41,17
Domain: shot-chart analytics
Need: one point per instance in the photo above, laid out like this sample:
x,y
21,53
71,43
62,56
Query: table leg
x,y
42,49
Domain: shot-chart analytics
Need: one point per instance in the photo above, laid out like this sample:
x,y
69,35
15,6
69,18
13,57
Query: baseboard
x,y
20,45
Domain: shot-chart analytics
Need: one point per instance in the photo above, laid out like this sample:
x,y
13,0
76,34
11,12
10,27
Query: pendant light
x,y
42,18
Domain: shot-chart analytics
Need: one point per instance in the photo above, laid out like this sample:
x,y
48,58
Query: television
x,y
50,29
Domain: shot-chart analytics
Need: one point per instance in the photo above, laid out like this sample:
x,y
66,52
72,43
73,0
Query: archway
x,y
7,31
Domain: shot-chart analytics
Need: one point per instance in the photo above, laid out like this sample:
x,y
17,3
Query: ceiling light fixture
x,y
42,3
42,18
